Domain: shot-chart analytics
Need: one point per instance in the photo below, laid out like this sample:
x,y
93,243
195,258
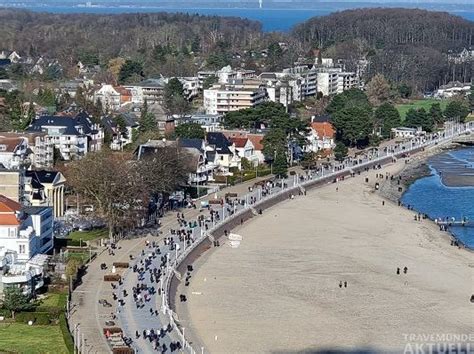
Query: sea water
x,y
430,196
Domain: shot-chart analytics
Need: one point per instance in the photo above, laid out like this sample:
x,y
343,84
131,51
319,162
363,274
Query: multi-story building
x,y
25,230
14,152
150,90
220,99
347,81
34,151
225,75
72,136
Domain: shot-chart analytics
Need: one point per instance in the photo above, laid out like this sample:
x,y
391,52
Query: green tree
x,y
46,97
190,131
404,90
275,142
174,100
457,110
471,98
436,113
209,81
147,121
340,151
419,118
350,98
15,301
280,165
128,69
353,125
386,118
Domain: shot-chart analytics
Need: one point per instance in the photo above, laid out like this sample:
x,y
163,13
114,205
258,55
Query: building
x,y
73,136
225,75
404,132
120,129
321,137
452,89
150,90
221,99
328,81
25,230
14,152
112,97
39,151
209,122
226,156
245,149
256,140
347,81
45,188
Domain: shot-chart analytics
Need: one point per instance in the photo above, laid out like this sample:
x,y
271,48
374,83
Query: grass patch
x,y
54,300
88,235
83,257
21,338
426,104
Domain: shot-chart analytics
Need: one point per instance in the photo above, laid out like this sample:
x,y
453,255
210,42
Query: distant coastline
x,y
280,19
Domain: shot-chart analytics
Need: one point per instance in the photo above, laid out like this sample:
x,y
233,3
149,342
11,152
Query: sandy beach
x,y
279,291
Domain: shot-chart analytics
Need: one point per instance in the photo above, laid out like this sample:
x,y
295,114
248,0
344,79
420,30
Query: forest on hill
x,y
406,45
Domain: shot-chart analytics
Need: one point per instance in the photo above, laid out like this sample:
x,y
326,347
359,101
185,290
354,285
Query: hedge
x,y
66,334
38,318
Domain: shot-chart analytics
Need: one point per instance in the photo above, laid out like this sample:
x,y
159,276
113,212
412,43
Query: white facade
x,y
109,97
328,82
222,99
347,81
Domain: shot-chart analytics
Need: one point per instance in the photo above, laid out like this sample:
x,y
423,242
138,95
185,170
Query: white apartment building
x,y
220,99
347,81
328,81
226,75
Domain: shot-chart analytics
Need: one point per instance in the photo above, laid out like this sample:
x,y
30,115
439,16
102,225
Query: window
x,y
222,158
22,249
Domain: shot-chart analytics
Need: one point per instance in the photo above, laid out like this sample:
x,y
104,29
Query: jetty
x,y
454,222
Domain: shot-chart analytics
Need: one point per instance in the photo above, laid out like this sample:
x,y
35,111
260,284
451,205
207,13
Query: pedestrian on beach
x,y
398,270
405,270
345,284
340,284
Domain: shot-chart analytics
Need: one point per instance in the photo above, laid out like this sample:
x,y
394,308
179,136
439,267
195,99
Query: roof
x,y
42,176
9,219
8,206
35,210
321,119
256,140
10,143
323,129
239,142
219,141
191,143
122,90
70,124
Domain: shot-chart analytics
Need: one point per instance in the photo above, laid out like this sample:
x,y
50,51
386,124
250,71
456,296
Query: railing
x,y
389,154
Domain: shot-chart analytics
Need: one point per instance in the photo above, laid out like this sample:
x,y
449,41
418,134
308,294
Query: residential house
x,y
209,122
452,89
120,129
255,139
14,152
321,136
73,136
112,97
245,149
202,160
225,152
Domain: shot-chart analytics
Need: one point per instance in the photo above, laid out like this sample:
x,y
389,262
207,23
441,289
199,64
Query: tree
x,y
419,118
174,100
471,98
128,69
147,121
404,90
353,125
72,267
350,98
15,301
190,131
340,151
280,165
274,142
386,118
456,110
378,90
436,113
209,81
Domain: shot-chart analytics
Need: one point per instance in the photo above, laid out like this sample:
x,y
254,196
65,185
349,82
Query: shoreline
x,y
416,169
196,326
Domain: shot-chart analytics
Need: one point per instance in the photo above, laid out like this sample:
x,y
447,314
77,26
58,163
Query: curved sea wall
x,y
244,215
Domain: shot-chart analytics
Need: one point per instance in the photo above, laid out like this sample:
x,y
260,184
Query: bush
x,y
75,243
38,318
66,333
5,313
